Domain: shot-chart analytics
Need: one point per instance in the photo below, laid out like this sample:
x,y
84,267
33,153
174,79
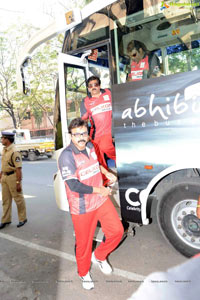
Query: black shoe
x,y
2,225
21,223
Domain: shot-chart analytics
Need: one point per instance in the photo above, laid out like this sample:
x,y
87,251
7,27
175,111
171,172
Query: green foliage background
x,y
43,72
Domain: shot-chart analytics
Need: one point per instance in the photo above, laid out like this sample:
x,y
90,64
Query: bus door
x,y
73,73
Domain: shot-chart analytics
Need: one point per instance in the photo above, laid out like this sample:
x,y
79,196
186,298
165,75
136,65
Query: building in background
x,y
37,129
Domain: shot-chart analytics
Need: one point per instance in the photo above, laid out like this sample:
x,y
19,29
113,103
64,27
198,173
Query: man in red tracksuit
x,y
97,107
143,63
88,202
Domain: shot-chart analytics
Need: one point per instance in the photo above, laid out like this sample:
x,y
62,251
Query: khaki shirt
x,y
11,159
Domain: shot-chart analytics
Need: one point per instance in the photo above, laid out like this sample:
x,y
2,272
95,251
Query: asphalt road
x,y
37,260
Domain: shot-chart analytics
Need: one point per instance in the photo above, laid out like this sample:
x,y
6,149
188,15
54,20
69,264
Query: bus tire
x,y
32,156
176,214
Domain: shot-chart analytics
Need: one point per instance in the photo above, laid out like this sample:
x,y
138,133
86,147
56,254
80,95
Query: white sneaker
x,y
87,282
104,266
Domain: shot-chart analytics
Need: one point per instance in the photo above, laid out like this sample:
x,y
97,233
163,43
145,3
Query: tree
x,y
43,76
10,101
44,70
183,59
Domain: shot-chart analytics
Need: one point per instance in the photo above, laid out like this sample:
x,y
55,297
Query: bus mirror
x,y
25,74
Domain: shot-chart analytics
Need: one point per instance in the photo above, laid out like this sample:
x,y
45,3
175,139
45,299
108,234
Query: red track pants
x,y
84,227
106,146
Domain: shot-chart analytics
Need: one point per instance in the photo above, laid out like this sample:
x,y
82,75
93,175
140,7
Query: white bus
x,y
156,108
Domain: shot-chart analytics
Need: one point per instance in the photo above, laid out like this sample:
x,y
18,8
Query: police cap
x,y
7,134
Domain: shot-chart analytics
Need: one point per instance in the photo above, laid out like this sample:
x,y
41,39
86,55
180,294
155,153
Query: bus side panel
x,y
156,125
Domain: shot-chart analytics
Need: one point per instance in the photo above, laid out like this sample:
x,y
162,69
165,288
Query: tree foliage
x,y
184,61
10,100
43,77
43,74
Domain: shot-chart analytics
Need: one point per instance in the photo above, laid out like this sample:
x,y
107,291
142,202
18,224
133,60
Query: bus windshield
x,y
156,42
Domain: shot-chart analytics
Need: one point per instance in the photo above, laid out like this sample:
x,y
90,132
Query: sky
x,y
28,11
37,12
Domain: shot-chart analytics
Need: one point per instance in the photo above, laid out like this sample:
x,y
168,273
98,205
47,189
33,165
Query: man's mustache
x,y
84,141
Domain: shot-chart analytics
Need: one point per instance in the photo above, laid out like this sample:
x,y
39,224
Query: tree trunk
x,y
13,119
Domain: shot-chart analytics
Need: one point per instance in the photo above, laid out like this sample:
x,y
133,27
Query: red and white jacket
x,y
74,164
137,69
99,112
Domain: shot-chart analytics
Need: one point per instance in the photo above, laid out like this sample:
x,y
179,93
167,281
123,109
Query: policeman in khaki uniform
x,y
11,176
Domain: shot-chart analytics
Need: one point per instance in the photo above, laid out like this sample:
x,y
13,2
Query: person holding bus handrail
x,y
143,64
97,107
89,202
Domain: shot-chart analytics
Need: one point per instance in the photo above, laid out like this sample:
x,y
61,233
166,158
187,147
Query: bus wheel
x,y
177,218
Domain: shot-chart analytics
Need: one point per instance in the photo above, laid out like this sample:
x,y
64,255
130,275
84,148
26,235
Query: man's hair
x,y
78,122
137,45
93,78
10,138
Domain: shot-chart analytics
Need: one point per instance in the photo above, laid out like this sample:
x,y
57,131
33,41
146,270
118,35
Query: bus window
x,y
98,63
135,55
75,91
75,79
158,43
92,30
183,57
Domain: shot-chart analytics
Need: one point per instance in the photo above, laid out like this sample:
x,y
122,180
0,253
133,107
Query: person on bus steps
x,y
89,202
10,177
143,64
97,107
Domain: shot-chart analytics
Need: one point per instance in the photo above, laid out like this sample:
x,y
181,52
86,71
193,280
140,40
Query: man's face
x,y
136,55
4,141
79,137
94,88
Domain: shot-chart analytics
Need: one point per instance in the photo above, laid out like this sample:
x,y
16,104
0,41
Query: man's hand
x,y
112,178
103,191
18,187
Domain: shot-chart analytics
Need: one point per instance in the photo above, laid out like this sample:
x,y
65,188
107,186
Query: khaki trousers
x,y
9,192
